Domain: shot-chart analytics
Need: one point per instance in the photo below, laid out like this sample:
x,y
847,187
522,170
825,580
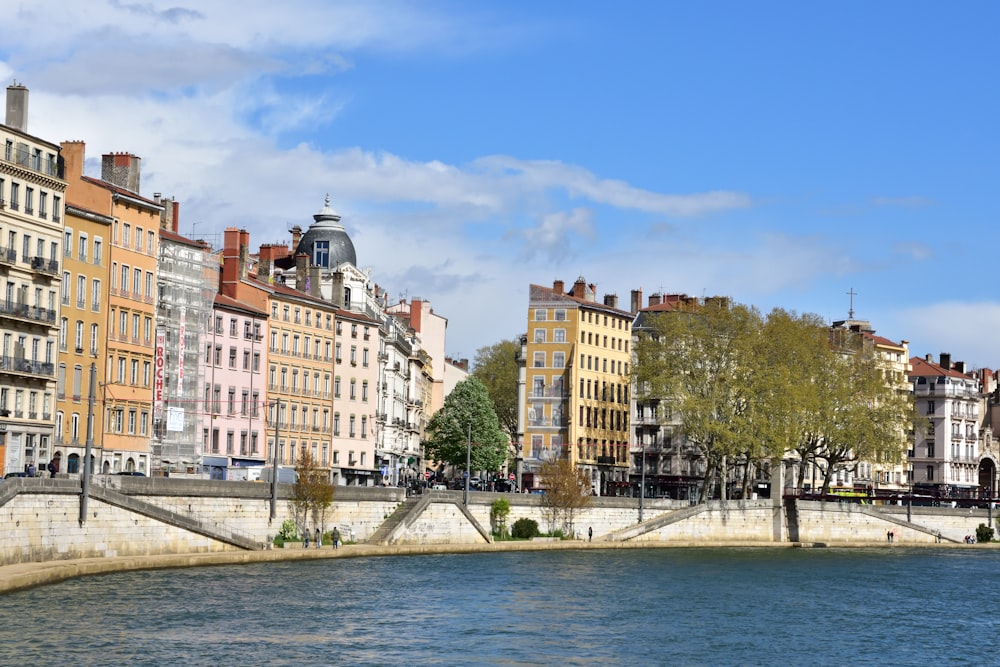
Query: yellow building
x,y
82,332
127,384
299,375
576,384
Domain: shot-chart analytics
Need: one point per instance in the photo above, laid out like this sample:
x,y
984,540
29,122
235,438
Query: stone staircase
x,y
656,523
404,515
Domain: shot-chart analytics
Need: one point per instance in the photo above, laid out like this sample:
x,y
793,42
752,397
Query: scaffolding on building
x,y
188,274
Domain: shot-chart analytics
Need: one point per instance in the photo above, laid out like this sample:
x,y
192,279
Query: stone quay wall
x,y
40,519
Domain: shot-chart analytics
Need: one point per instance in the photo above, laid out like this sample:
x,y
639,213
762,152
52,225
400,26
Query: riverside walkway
x,y
28,575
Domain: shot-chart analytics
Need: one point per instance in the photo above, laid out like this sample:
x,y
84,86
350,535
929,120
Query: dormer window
x,y
321,254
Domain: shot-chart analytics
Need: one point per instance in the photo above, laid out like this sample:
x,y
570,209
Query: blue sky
x,y
782,153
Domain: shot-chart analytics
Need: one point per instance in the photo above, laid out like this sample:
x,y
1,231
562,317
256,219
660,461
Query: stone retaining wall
x,y
39,519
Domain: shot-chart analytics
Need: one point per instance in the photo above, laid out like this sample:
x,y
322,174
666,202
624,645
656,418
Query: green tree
x,y
312,494
702,360
496,367
866,418
567,490
467,415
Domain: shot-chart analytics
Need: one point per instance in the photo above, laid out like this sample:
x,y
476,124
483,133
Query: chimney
x,y
960,366
559,286
314,281
611,300
655,299
72,153
929,358
17,107
636,303
244,252
946,361
121,170
579,288
296,237
591,293
416,314
230,262
301,271
175,207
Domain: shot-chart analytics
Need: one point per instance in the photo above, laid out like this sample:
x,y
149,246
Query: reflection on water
x,y
641,607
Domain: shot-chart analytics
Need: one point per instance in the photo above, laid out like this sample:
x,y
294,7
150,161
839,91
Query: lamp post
x,y
642,475
274,471
468,463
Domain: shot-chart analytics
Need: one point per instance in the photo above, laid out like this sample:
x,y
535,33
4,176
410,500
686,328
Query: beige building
x,y
575,390
31,212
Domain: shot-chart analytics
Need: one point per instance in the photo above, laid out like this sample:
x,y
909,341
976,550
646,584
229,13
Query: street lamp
x,y
468,464
642,484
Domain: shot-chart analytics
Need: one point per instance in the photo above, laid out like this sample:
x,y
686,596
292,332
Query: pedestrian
x,y
52,468
31,469
307,538
319,538
335,538
888,536
590,534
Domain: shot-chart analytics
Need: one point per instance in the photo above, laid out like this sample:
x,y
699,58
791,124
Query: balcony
x,y
26,367
49,267
28,313
8,256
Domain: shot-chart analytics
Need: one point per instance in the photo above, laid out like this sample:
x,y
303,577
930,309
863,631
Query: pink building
x,y
233,422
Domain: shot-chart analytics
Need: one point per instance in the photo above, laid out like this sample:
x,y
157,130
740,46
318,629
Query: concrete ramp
x,y
215,532
398,521
653,524
394,528
888,518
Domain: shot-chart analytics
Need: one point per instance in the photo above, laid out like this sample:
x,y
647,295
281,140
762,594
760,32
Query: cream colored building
x,y
31,228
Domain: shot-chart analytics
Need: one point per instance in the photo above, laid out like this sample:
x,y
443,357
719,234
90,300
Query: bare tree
x,y
567,490
312,494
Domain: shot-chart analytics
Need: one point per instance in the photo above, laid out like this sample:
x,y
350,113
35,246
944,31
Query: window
x,y
82,251
81,291
539,360
98,254
79,336
539,335
126,234
94,338
541,314
95,295
68,243
321,254
558,359
43,205
560,315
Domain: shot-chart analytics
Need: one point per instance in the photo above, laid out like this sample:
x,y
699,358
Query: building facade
x,y
31,222
946,451
232,426
576,390
82,332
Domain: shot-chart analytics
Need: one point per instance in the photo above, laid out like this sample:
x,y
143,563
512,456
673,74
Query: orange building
x,y
127,383
82,334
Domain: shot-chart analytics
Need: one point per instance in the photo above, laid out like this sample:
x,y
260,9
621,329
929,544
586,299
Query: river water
x,y
742,606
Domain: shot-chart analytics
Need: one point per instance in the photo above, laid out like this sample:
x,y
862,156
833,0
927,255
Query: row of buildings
x,y
574,397
166,355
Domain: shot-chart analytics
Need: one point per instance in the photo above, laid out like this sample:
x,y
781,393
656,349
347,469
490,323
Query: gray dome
x,y
326,242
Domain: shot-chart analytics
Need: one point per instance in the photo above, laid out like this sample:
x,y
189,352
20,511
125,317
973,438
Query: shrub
x,y
984,533
499,512
524,529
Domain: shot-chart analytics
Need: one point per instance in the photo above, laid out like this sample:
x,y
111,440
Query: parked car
x,y
15,474
131,473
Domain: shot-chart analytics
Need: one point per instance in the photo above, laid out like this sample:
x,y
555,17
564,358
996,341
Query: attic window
x,y
321,254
